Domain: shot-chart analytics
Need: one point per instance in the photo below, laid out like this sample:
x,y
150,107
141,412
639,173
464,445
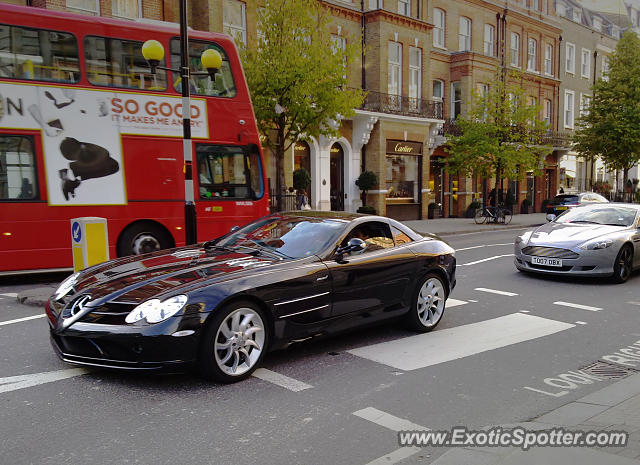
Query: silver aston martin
x,y
593,240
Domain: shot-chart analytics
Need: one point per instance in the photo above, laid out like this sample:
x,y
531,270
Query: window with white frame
x,y
489,34
340,44
535,4
375,4
234,18
605,68
404,7
125,8
515,49
84,6
464,34
548,60
568,108
438,90
415,73
395,68
482,93
532,61
577,16
585,68
438,27
585,102
456,99
597,23
570,58
547,112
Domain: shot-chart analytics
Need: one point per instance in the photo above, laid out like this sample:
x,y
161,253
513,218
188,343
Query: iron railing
x,y
401,105
288,202
557,139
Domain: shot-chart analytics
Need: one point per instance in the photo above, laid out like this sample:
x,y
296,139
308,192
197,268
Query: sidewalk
x,y
449,226
613,408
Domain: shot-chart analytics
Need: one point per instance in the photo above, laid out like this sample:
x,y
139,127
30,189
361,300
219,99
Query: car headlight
x,y
155,310
524,238
598,244
66,286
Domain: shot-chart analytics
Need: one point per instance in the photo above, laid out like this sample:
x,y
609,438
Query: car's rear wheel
x,y
428,304
234,343
622,267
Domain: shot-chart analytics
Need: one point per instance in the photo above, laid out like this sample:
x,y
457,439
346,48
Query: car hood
x,y
137,278
569,234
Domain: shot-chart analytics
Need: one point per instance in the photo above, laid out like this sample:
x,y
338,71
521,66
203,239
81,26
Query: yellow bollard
x,y
89,241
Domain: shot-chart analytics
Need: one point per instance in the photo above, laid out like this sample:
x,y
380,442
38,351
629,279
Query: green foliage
x,y
501,135
301,179
610,128
369,210
367,181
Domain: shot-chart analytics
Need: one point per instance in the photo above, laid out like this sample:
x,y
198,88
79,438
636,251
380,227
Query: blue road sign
x,y
76,232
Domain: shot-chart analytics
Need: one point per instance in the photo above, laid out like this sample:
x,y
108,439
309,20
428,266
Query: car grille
x,y
111,313
551,252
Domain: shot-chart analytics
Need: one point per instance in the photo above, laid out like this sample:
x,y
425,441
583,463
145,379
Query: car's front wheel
x,y
428,304
622,267
234,343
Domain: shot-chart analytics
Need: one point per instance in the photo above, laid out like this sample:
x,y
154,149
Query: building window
x,y
535,5
489,34
18,175
403,178
515,49
548,60
395,68
84,6
585,102
375,4
439,27
532,62
125,8
339,46
568,109
456,99
570,58
547,113
404,7
438,90
415,74
585,69
234,20
605,68
597,24
464,35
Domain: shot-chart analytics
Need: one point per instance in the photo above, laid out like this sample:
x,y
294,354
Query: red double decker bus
x,y
87,130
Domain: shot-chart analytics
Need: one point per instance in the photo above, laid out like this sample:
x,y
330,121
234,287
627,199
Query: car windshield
x,y
608,215
291,237
565,199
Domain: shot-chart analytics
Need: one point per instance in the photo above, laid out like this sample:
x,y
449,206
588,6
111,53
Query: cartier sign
x,y
401,147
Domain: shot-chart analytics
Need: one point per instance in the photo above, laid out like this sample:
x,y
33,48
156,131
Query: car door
x,y
376,279
636,243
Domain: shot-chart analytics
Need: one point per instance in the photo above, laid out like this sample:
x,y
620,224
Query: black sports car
x,y
222,304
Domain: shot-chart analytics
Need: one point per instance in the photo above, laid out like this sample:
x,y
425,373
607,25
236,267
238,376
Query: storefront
x,y
403,179
302,159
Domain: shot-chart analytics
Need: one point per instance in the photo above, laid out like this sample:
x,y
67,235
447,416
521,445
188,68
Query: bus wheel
x,y
141,238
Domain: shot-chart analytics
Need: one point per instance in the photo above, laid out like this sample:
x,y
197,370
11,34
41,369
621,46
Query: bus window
x,y
37,54
228,172
224,86
17,168
119,63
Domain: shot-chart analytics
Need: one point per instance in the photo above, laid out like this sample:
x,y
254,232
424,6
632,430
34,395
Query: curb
x,y
484,228
36,297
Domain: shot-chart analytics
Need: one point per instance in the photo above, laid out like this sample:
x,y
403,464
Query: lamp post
x,y
153,52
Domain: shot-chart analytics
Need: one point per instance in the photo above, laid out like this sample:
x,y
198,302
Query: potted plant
x,y
471,209
526,204
301,179
366,181
431,210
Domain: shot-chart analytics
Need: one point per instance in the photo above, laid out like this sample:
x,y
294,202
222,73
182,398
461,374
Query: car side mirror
x,y
354,245
551,217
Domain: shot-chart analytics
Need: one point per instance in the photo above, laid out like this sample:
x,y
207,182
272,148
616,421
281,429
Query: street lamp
x,y
153,52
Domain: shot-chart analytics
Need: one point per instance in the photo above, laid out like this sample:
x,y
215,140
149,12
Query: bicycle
x,y
496,215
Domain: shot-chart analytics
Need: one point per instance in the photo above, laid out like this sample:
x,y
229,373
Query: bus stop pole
x,y
189,202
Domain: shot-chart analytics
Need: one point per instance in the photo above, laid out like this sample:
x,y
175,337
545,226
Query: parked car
x,y
221,305
561,203
594,240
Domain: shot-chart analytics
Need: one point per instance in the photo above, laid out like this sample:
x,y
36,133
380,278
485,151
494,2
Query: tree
x,y
500,136
366,181
297,77
301,179
611,127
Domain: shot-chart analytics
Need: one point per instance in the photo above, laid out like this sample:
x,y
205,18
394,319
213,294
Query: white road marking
x,y
633,303
454,302
9,294
581,322
395,424
525,311
18,320
480,246
581,307
493,291
13,383
471,300
423,350
486,259
281,380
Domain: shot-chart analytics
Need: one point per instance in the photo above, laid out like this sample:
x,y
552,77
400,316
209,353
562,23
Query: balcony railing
x,y
401,105
557,139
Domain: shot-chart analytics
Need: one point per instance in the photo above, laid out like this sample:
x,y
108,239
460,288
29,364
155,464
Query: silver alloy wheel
x,y
239,341
625,258
430,303
145,243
